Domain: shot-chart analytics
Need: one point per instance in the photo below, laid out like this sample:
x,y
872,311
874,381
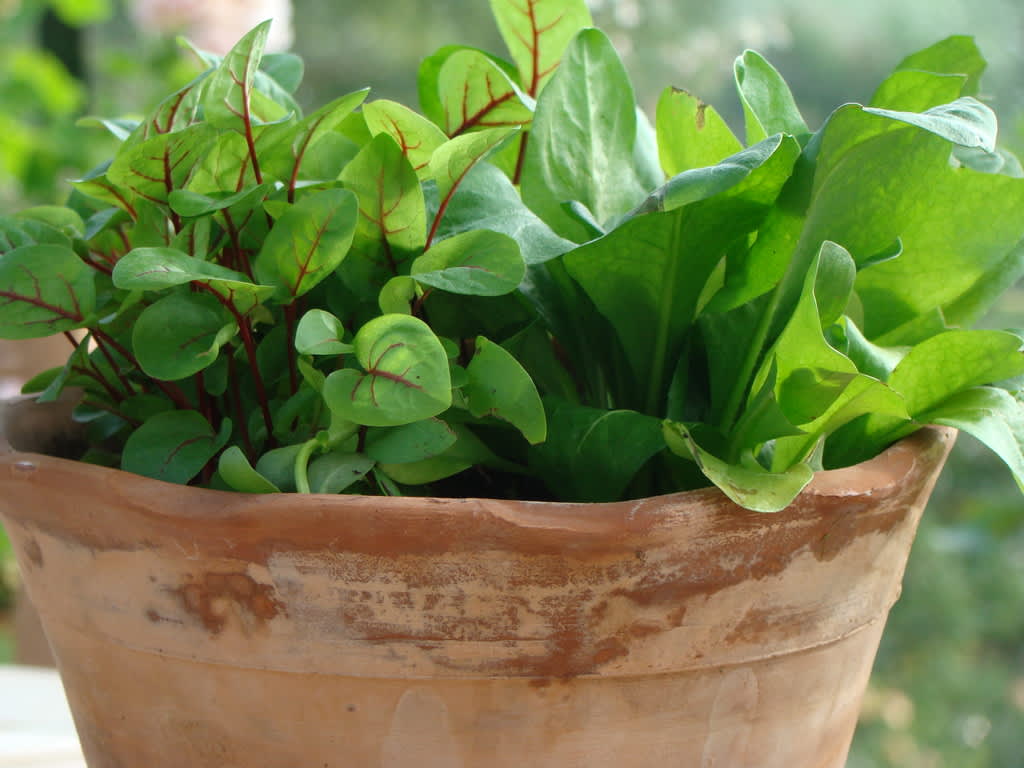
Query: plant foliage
x,y
532,278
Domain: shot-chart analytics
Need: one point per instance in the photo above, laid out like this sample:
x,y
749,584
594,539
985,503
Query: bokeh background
x,y
948,688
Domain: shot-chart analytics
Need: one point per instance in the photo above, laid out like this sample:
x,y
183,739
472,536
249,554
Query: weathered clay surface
x,y
201,628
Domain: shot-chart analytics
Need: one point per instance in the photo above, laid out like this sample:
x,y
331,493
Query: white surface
x,y
36,730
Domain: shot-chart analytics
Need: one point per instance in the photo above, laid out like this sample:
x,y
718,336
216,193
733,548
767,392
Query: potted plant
x,y
536,369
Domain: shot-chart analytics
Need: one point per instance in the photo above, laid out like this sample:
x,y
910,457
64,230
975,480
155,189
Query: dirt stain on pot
x,y
215,597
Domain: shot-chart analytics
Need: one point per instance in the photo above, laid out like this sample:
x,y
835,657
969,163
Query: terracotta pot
x,y
206,629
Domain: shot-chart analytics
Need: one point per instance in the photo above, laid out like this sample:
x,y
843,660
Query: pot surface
x,y
208,629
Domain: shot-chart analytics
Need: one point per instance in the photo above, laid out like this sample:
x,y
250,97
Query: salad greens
x,y
531,289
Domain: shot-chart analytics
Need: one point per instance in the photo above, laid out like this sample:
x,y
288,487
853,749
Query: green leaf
x,y
181,334
691,134
768,104
320,333
336,471
406,375
991,415
456,157
647,276
476,94
467,451
158,268
44,289
966,122
940,368
286,69
499,386
417,441
229,99
191,204
581,144
486,199
537,33
278,466
592,454
397,295
159,165
956,56
308,242
392,215
479,263
238,473
172,446
749,485
293,145
415,135
915,91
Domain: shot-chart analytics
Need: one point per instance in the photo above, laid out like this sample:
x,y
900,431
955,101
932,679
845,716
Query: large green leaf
x,y
479,263
581,146
937,369
991,415
405,376
956,58
499,386
691,134
768,105
44,289
308,241
647,276
748,484
173,446
592,454
537,33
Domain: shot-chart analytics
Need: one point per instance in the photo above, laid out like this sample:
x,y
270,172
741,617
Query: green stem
x,y
302,465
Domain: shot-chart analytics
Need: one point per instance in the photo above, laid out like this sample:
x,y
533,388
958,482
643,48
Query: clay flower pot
x,y
215,630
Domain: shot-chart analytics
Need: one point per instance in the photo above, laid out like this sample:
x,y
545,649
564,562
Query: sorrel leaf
x,y
768,105
592,454
44,289
536,33
238,473
478,263
173,446
690,133
308,241
320,333
336,471
499,386
405,376
581,143
410,442
181,334
749,485
392,216
991,415
476,94
415,135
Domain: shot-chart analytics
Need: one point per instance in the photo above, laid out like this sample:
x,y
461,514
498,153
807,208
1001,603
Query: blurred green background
x,y
948,688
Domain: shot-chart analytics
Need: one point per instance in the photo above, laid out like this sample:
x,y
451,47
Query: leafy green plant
x,y
530,278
